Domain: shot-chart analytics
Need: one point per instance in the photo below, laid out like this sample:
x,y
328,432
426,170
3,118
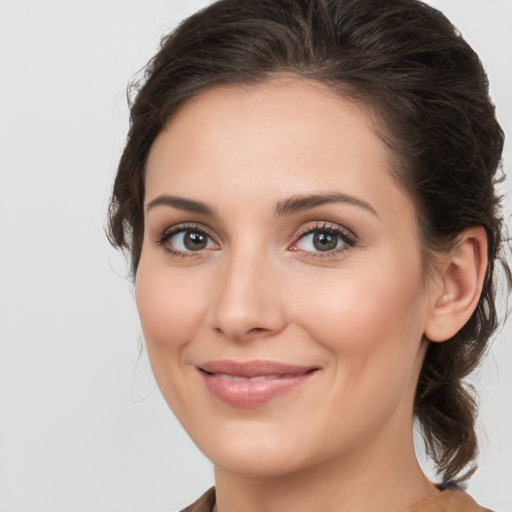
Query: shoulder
x,y
204,504
449,500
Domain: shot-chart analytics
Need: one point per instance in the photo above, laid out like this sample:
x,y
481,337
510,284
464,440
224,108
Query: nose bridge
x,y
247,303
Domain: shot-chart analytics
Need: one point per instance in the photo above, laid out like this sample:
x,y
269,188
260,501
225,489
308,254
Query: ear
x,y
457,291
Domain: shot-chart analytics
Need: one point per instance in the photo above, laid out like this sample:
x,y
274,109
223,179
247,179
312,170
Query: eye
x,y
324,239
184,240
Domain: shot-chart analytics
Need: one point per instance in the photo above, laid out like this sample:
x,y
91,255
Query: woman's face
x,y
280,287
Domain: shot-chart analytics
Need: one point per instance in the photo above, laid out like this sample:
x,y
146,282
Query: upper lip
x,y
254,368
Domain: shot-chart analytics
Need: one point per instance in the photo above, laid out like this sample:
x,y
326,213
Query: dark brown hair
x,y
429,93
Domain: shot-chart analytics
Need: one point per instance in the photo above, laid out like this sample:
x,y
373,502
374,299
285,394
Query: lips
x,y
252,383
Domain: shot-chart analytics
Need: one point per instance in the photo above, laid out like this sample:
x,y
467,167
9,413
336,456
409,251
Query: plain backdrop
x,y
82,425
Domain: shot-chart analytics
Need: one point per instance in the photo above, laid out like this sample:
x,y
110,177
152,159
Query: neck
x,y
381,475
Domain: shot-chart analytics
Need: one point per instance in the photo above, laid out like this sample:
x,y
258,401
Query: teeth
x,y
265,377
235,378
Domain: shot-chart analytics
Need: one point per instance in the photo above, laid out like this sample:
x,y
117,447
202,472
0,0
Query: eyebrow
x,y
300,203
286,207
181,203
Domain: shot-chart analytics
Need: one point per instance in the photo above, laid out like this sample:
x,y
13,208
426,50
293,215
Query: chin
x,y
263,464
256,451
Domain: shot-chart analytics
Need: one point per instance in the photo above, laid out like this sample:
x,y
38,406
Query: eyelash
x,y
347,238
164,237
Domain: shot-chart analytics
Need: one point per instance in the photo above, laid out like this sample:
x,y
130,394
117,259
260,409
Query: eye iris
x,y
324,241
194,241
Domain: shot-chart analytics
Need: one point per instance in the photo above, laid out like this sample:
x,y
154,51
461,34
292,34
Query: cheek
x,y
169,308
370,324
365,312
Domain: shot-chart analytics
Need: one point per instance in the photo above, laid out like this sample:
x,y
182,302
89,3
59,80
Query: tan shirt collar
x,y
449,500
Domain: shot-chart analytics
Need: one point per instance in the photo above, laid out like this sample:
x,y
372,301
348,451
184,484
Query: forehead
x,y
282,138
283,119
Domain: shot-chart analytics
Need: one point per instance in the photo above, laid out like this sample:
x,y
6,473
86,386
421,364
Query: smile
x,y
234,378
252,383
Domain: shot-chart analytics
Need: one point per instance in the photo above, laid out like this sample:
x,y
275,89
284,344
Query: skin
x,y
260,291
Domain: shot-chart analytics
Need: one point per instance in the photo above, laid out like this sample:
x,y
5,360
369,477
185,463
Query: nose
x,y
248,304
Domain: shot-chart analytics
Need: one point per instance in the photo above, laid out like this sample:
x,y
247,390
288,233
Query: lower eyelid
x,y
324,256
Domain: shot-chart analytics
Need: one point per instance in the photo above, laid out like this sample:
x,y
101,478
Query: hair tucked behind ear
x,y
429,93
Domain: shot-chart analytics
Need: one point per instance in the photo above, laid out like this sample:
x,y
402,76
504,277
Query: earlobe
x,y
461,275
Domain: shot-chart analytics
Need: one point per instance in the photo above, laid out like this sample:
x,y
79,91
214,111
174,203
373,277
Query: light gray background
x,y
82,425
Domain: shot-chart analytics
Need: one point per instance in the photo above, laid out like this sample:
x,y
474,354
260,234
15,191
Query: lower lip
x,y
251,393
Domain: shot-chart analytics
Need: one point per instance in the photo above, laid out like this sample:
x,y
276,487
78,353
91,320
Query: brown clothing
x,y
449,500
204,504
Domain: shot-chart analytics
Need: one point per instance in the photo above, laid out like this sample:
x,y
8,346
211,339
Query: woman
x,y
307,193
